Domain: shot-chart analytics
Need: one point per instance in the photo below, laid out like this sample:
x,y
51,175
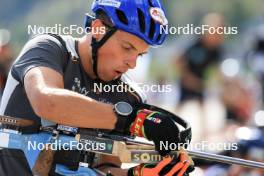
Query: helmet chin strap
x,y
95,47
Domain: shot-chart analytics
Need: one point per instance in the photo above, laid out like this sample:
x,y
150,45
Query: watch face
x,y
123,108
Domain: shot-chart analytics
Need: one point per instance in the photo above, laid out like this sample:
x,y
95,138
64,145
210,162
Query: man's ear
x,y
97,25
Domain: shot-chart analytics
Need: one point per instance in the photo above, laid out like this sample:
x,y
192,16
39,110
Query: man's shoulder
x,y
66,42
45,39
50,40
47,50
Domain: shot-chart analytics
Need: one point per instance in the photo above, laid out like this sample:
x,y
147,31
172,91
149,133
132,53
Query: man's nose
x,y
132,62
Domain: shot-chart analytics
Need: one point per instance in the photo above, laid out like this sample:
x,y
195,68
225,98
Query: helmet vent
x,y
158,38
152,29
121,16
141,20
150,3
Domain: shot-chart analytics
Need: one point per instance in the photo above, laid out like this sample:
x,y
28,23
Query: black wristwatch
x,y
123,110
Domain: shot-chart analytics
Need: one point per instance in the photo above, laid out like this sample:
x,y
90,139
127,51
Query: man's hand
x,y
180,166
157,127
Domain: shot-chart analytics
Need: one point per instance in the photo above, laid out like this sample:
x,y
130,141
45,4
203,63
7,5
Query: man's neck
x,y
85,52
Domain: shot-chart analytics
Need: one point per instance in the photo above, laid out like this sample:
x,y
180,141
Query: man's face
x,y
119,54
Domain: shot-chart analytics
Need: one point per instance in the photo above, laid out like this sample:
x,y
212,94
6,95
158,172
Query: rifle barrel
x,y
226,159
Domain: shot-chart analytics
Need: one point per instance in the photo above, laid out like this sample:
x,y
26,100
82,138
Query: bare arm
x,y
48,98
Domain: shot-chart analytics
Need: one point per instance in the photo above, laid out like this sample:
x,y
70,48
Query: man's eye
x,y
127,48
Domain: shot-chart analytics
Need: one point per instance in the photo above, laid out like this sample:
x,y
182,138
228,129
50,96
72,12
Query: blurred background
x,y
217,81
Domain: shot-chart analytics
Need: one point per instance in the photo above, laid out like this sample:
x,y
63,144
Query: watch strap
x,y
121,124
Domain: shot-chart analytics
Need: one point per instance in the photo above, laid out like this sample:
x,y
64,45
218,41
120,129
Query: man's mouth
x,y
119,72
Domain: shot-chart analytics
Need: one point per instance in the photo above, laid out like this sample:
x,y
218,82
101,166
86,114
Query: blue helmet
x,y
143,18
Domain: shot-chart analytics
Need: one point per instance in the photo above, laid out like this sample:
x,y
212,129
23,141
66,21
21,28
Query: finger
x,y
185,157
181,166
154,171
175,169
184,168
